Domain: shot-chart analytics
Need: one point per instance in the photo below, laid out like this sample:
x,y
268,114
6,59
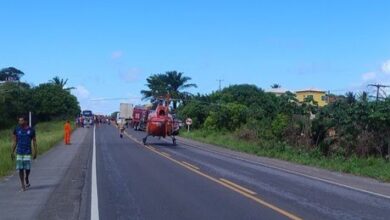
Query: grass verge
x,y
377,168
48,134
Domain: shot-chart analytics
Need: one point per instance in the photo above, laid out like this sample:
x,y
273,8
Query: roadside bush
x,y
197,111
246,134
347,126
229,117
279,125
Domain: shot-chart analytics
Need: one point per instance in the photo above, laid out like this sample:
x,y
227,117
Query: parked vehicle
x,y
125,113
87,118
140,117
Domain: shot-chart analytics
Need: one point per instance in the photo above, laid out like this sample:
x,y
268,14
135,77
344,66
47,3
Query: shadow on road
x,y
32,188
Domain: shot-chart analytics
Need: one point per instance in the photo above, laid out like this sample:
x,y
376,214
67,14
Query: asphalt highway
x,y
103,176
162,181
135,182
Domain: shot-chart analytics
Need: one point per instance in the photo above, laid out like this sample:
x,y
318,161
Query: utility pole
x,y
378,88
219,81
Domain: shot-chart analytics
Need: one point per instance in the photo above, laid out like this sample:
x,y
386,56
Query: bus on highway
x,y
87,118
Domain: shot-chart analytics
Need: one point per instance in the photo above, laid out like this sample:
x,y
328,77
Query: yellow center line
x,y
225,184
132,138
190,165
150,148
238,186
165,154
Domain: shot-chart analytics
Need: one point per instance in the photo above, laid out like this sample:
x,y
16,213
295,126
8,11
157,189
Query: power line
x,y
114,99
349,89
378,89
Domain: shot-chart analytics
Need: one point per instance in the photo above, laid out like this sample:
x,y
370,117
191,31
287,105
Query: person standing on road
x,y
23,135
67,131
121,129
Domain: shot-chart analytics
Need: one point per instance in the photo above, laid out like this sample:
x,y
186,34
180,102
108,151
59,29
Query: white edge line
x,y
94,194
292,172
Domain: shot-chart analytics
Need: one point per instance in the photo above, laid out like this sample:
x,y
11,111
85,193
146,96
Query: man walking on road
x,y
23,135
67,130
121,127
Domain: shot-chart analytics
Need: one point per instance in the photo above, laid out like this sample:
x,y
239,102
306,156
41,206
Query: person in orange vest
x,y
67,130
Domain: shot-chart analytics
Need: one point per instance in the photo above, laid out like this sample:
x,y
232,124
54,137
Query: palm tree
x,y
350,98
363,97
157,87
176,84
172,83
61,83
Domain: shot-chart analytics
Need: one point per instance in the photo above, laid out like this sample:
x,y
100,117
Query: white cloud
x,y
81,92
381,75
116,55
130,75
386,67
369,76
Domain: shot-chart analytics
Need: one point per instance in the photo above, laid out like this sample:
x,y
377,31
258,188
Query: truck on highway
x,y
140,117
125,112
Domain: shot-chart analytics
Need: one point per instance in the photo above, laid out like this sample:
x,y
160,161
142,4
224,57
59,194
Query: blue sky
x,y
107,49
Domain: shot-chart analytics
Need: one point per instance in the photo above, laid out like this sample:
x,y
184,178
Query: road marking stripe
x,y
132,138
238,186
243,193
150,148
165,154
229,155
193,166
94,193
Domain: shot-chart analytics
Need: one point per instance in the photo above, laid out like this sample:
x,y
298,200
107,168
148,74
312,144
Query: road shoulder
x,y
49,172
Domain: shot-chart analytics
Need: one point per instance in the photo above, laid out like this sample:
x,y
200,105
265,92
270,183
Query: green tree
x,y
176,84
350,98
172,83
114,115
196,110
53,102
347,126
259,103
10,74
279,124
15,100
363,97
61,83
157,87
230,117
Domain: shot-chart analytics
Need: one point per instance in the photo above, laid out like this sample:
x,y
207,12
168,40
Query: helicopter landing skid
x,y
144,139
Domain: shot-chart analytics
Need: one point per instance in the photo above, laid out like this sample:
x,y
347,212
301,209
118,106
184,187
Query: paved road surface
x,y
58,184
187,181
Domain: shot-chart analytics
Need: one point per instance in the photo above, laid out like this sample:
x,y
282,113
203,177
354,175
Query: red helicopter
x,y
161,123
